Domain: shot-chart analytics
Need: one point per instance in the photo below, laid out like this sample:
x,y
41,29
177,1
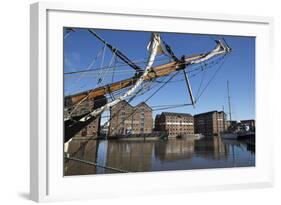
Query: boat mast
x,y
229,105
224,115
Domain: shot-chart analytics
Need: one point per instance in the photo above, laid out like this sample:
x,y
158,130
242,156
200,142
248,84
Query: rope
x,y
192,68
173,106
95,164
89,67
211,79
122,65
99,81
115,50
209,64
201,82
68,32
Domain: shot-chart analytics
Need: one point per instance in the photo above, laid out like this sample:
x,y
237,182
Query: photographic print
x,y
145,101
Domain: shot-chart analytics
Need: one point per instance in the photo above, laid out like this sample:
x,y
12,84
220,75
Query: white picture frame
x,y
47,182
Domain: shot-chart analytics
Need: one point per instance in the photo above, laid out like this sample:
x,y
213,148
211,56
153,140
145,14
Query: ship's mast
x,y
229,105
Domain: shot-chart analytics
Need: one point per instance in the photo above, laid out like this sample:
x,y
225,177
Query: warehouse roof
x,y
206,113
176,114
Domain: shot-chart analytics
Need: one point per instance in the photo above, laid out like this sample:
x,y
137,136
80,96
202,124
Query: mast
x,y
189,88
223,117
228,97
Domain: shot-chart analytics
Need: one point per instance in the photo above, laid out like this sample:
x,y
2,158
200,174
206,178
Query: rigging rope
x,y
193,68
201,82
99,82
118,52
89,67
169,51
122,65
211,79
68,32
173,107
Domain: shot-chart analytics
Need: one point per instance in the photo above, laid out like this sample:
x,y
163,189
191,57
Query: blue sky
x,y
80,48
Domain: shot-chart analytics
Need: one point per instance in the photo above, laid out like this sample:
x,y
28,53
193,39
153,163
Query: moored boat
x,y
229,135
246,135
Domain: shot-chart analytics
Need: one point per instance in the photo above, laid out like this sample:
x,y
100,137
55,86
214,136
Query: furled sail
x,y
220,49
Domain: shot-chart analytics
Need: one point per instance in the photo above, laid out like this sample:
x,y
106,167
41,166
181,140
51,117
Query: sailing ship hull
x,y
246,135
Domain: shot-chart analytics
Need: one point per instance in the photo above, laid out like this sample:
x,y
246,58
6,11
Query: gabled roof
x,y
137,106
124,101
143,104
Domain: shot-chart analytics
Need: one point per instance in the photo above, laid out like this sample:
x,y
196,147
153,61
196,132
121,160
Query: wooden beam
x,y
156,72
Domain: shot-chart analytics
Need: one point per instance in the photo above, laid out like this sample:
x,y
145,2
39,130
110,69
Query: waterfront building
x,y
127,119
175,124
210,123
85,107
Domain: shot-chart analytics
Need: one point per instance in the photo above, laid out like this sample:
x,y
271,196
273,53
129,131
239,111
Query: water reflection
x,y
86,150
158,155
174,149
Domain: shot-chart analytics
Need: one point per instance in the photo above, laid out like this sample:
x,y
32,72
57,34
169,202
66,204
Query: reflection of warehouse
x,y
214,145
210,123
129,155
174,149
175,124
128,119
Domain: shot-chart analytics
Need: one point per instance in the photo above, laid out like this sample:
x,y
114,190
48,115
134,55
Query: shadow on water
x,y
157,155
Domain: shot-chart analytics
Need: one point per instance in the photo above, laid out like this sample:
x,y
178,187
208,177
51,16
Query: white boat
x,y
229,135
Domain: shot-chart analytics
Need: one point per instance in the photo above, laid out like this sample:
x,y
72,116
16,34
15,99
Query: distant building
x,y
175,124
250,123
210,123
127,119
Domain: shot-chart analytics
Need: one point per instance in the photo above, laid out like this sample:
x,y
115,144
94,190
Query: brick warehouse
x,y
85,107
210,123
128,119
176,124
